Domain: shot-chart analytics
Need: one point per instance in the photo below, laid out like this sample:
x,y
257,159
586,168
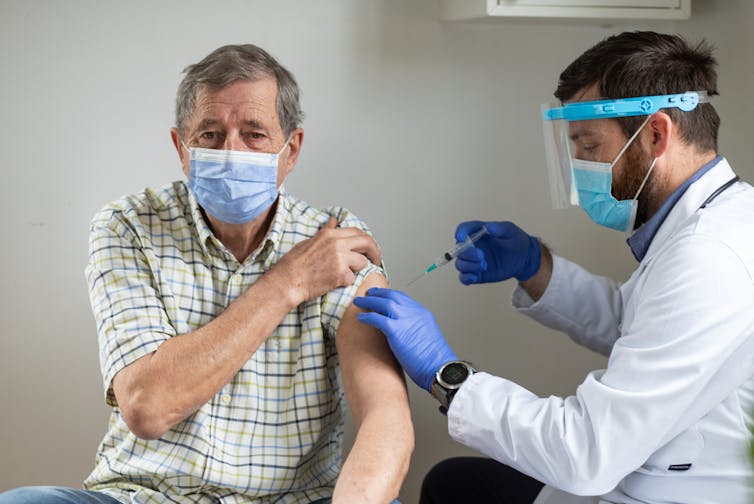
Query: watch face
x,y
454,373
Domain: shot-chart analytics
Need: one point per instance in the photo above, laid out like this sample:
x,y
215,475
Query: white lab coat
x,y
669,419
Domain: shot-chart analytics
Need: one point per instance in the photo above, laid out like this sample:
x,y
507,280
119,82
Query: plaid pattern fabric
x,y
272,434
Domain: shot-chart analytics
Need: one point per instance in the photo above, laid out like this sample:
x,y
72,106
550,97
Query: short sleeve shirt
x,y
273,433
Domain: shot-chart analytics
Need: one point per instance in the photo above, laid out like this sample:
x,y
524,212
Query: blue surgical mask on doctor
x,y
234,186
593,181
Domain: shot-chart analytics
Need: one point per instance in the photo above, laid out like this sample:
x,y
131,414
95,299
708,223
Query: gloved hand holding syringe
x,y
452,253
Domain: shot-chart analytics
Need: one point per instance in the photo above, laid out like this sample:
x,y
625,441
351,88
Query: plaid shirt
x,y
273,433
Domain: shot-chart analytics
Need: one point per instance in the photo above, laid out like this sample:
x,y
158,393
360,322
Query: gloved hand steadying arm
x,y
411,331
504,252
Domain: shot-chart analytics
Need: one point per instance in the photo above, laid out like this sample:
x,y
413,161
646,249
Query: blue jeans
x,y
54,495
62,495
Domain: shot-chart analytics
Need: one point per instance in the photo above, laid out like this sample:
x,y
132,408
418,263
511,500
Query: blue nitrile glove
x,y
504,252
411,331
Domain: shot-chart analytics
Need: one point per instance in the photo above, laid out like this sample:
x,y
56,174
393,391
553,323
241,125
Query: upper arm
x,y
130,315
371,376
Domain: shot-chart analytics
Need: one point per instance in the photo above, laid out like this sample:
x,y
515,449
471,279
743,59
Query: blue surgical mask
x,y
234,186
594,180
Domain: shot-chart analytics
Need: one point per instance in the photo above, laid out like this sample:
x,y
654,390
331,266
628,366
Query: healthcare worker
x,y
633,140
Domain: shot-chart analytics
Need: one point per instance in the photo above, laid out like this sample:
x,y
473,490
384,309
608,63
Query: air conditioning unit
x,y
458,10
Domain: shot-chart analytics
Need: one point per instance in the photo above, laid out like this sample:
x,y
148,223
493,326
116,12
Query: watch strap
x,y
443,395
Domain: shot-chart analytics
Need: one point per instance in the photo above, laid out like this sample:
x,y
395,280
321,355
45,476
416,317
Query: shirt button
x,y
620,328
225,398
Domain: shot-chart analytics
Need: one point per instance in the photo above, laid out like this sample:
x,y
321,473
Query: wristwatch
x,y
448,380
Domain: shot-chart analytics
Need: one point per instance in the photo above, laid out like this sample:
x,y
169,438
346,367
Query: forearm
x,y
161,389
379,459
535,286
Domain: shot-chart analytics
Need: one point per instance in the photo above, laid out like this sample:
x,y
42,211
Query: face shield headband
x,y
559,146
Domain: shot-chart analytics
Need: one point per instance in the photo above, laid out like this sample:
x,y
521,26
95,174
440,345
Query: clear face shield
x,y
581,131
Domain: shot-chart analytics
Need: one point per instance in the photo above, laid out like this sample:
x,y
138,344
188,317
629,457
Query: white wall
x,y
412,123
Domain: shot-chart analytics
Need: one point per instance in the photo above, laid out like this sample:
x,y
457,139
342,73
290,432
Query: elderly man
x,y
223,307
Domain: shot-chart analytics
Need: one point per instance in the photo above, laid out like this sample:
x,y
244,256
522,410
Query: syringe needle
x,y
415,279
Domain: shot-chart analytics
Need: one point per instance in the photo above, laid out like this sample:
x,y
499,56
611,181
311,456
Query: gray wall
x,y
412,123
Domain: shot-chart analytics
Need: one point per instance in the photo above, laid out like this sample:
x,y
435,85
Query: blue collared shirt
x,y
641,239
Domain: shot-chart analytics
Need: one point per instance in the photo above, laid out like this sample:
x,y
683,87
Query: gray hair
x,y
232,63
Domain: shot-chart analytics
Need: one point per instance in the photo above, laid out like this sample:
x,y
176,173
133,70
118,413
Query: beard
x,y
636,163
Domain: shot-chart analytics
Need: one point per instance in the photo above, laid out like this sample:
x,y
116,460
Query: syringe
x,y
452,253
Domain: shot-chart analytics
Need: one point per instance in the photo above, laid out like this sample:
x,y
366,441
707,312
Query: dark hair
x,y
232,63
645,63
